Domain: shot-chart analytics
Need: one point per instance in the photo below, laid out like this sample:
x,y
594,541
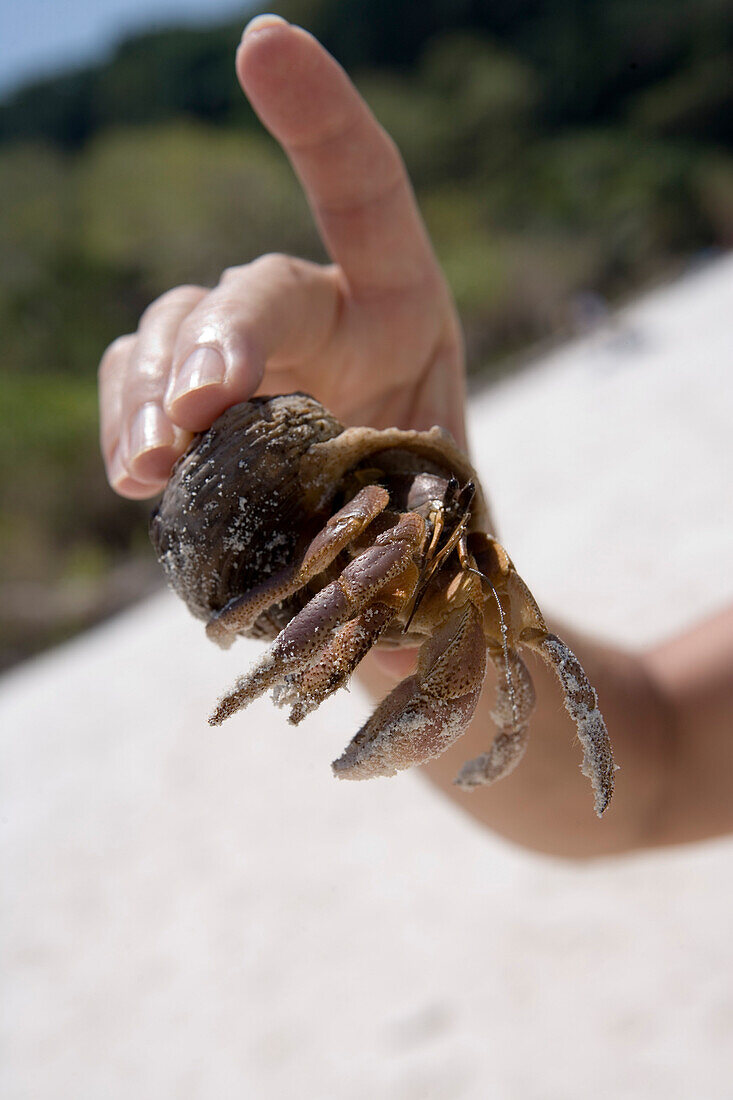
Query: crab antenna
x,y
505,648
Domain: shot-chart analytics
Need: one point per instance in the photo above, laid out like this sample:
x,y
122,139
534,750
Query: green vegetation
x,y
555,147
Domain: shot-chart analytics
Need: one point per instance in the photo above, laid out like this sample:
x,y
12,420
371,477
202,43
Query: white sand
x,y
185,918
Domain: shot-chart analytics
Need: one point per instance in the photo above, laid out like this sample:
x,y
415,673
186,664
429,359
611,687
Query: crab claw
x,y
429,710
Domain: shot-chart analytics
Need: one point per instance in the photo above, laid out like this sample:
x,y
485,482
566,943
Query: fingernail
x,y
119,476
150,430
204,367
260,22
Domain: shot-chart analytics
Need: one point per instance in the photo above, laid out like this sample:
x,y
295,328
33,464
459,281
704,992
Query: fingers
x,y
197,352
276,311
150,442
353,176
139,441
112,372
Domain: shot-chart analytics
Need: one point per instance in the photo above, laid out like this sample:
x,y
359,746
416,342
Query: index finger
x,y
352,173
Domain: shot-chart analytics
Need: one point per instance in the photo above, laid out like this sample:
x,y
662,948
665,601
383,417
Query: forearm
x,y
669,713
546,804
694,672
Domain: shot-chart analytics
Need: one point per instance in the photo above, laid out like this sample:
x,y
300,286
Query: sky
x,y
43,37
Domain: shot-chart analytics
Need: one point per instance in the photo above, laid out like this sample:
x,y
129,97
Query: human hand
x,y
374,335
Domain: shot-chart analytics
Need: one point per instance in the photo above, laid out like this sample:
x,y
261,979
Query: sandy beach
x,y
202,914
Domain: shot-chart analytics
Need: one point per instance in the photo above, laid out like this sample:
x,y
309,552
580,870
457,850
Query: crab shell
x,y
251,492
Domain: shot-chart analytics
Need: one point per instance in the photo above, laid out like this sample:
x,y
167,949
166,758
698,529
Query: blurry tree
x,y
168,73
695,103
715,188
35,199
492,96
417,117
589,59
152,76
57,308
179,203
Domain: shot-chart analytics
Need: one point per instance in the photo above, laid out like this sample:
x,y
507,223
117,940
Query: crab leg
x,y
428,711
340,530
581,703
514,705
308,689
526,626
304,639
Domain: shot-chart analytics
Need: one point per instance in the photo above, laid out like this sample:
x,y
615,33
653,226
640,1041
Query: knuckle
x,y
271,261
232,274
186,295
271,267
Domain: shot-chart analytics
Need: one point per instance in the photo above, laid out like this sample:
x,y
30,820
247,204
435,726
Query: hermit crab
x,y
279,523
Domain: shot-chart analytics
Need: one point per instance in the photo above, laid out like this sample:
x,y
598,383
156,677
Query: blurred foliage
x,y
556,148
179,203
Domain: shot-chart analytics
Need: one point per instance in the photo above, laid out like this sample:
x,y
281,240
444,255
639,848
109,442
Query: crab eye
x,y
451,489
466,495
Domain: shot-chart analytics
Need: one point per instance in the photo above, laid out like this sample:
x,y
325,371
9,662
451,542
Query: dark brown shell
x,y
235,481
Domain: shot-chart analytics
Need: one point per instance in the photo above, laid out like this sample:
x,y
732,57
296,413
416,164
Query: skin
x,y
375,336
